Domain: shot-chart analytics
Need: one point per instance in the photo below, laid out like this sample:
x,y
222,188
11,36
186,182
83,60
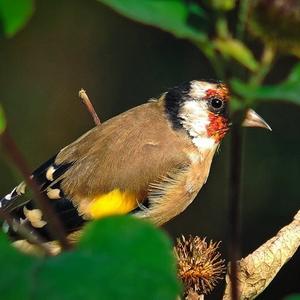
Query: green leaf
x,y
117,258
292,297
2,120
14,14
173,16
238,51
15,272
288,90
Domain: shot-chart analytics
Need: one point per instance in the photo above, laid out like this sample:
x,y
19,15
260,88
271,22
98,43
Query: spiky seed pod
x,y
199,264
277,23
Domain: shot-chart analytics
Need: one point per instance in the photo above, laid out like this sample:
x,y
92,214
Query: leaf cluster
x,y
227,46
117,258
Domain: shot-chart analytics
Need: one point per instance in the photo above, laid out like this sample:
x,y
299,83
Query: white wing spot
x,y
34,216
7,197
53,193
50,172
20,189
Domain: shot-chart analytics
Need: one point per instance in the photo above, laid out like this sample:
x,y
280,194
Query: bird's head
x,y
202,109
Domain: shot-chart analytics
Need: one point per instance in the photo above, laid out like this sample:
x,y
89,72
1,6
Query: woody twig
x,y
87,102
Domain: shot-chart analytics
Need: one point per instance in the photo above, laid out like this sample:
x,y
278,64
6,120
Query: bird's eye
x,y
216,103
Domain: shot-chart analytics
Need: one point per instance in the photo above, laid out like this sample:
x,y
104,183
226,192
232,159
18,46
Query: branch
x,y
259,268
234,205
87,102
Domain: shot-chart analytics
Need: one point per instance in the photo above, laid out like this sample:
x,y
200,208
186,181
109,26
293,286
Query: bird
x,y
150,161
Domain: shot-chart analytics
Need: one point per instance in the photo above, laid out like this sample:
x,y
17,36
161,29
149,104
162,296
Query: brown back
x,y
129,152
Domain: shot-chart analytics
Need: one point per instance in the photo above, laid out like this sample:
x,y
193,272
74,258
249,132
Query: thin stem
x,y
55,227
87,102
242,18
236,174
222,27
236,157
267,60
234,205
217,65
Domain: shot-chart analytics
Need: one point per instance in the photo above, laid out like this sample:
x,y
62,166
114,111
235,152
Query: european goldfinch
x,y
150,161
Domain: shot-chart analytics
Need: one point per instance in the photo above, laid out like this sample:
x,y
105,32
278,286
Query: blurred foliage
x,y
238,51
2,120
285,14
221,4
117,258
171,16
293,297
288,90
15,14
22,275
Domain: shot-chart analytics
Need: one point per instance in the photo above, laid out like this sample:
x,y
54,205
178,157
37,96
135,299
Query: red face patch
x,y
218,126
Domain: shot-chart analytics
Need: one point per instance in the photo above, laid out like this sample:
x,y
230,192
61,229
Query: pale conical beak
x,y
252,119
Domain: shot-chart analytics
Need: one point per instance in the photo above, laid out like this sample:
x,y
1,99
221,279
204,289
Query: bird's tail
x,y
16,192
39,175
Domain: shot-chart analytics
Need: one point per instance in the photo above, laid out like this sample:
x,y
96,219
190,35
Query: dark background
x,y
68,45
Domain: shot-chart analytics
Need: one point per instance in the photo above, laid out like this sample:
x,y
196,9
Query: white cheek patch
x,y
195,117
195,120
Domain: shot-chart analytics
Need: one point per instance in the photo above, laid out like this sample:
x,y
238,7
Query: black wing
x,y
23,209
